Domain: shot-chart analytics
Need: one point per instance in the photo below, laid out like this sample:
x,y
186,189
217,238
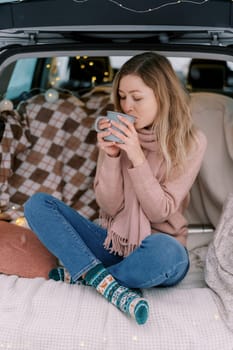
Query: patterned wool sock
x,y
125,299
61,274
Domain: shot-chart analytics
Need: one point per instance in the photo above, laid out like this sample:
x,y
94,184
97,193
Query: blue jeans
x,y
160,260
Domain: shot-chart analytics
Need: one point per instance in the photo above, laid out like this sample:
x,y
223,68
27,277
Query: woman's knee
x,y
163,241
158,258
164,249
35,202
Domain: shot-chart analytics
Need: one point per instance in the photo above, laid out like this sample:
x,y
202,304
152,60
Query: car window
x,y
80,74
21,79
77,74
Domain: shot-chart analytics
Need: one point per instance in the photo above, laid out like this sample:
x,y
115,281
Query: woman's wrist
x,y
138,160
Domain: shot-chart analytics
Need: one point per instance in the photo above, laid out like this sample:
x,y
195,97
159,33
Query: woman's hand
x,y
131,144
111,148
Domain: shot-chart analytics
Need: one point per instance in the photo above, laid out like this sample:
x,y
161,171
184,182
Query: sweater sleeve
x,y
160,200
108,184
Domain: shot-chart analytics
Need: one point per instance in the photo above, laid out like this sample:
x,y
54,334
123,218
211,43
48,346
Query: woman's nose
x,y
128,106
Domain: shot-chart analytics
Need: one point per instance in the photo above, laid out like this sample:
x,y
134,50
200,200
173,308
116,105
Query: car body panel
x,y
112,21
51,13
47,28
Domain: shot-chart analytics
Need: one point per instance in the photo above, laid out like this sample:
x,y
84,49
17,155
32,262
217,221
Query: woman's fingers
x,y
118,134
127,122
125,126
102,134
104,123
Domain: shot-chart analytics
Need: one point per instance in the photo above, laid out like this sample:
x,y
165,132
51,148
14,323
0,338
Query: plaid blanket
x,y
15,140
51,147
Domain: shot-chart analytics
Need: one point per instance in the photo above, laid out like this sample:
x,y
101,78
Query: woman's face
x,y
137,99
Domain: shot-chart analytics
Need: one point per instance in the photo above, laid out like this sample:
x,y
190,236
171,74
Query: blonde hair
x,y
173,125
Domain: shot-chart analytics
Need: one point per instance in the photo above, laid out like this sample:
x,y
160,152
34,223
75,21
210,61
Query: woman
x,y
142,188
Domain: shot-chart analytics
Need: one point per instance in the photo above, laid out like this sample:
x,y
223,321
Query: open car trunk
x,y
57,64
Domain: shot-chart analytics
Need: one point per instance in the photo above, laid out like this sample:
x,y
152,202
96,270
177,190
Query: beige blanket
x,y
219,263
213,113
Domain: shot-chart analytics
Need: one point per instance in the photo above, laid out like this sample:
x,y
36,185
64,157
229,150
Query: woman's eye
x,y
137,98
122,97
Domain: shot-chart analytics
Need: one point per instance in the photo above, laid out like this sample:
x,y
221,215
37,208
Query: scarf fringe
x,y
114,242
105,220
118,245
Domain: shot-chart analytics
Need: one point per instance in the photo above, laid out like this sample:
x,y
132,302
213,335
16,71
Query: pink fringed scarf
x,y
130,226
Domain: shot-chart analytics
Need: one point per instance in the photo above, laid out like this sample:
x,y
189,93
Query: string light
x,y
51,95
6,105
171,3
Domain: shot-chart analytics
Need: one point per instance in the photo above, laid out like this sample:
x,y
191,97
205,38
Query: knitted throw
x,y
219,263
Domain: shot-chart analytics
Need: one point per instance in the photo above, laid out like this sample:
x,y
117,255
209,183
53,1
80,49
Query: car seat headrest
x,y
207,74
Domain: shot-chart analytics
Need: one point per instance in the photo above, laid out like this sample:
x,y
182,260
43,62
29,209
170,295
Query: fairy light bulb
x,y
51,95
21,221
6,105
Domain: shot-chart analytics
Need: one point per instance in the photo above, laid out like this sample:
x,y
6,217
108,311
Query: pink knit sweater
x,y
162,202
